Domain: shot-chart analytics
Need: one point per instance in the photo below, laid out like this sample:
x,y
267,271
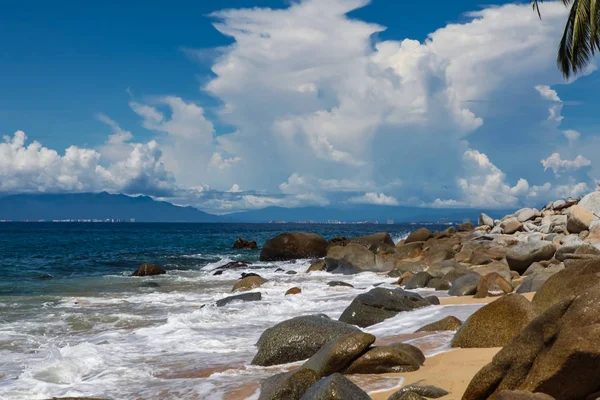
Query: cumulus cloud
x,y
375,198
572,135
557,164
547,93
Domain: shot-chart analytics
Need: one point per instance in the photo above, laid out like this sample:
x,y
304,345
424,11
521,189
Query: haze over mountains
x,y
102,206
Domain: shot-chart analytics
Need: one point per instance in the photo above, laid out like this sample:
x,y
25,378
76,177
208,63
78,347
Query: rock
x,y
373,242
298,339
248,274
446,233
294,290
45,276
495,324
526,214
216,273
337,240
500,267
465,285
291,273
419,280
521,256
294,245
584,234
335,387
484,219
557,353
240,297
575,279
535,281
420,235
407,266
576,250
399,357
487,255
497,230
242,244
466,227
248,283
288,385
338,354
351,258
534,269
380,304
522,395
447,324
407,396
493,285
234,265
579,219
512,226
317,266
339,283
410,250
431,392
149,270
591,203
405,277
433,300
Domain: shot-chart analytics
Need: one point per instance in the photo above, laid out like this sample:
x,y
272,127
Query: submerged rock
x,y
241,244
317,266
495,324
335,387
149,270
339,283
248,283
298,339
240,297
292,291
294,245
380,304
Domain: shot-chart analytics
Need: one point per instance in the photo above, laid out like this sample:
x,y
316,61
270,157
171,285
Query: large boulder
x,y
525,214
407,266
149,270
256,296
420,235
556,354
521,256
576,250
419,280
446,324
380,304
335,387
242,244
336,355
428,391
484,219
482,256
492,285
591,203
512,226
495,324
579,219
578,277
298,339
317,266
409,250
522,395
466,285
351,258
465,227
248,283
288,385
399,357
294,245
373,242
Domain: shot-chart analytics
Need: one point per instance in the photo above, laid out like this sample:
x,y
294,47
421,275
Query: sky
x,y
236,105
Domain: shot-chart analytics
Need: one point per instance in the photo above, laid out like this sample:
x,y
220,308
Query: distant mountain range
x,y
103,206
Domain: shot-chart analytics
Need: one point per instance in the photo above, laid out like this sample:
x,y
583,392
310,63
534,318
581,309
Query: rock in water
x,y
336,355
294,290
447,324
288,385
335,387
556,354
339,283
431,392
380,304
352,258
240,297
248,283
521,256
399,357
420,235
465,285
149,270
298,339
242,244
294,245
495,324
317,266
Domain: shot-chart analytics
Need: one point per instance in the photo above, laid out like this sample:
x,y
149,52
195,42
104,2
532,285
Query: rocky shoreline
x,y
536,337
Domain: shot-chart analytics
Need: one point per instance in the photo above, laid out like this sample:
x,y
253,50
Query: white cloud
x,y
557,164
235,188
375,198
572,190
572,135
548,93
218,161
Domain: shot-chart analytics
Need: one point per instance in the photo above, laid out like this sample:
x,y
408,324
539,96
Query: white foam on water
x,y
161,342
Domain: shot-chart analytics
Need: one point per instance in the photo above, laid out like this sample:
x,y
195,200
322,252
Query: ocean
x,y
93,330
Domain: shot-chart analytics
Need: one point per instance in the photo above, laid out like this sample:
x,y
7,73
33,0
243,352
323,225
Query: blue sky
x,y
294,103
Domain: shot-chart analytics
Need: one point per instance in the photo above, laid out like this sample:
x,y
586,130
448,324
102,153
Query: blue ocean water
x,y
93,330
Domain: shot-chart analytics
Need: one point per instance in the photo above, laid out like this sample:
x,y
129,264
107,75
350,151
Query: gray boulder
x,y
380,304
420,235
294,245
526,214
335,387
298,339
579,219
419,280
465,285
484,219
241,297
352,258
521,256
591,202
373,242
